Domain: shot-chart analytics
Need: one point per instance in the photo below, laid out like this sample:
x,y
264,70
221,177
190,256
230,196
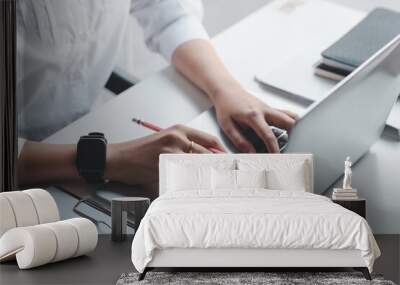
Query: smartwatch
x,y
91,157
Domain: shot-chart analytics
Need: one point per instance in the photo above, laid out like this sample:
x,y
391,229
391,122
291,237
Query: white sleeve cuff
x,y
183,30
21,143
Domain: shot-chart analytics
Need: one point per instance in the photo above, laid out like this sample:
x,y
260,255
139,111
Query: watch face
x,y
91,155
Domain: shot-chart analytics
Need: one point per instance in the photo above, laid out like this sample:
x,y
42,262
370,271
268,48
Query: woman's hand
x,y
136,162
236,108
198,61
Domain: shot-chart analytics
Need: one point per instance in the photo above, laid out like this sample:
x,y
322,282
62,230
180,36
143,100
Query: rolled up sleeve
x,y
169,23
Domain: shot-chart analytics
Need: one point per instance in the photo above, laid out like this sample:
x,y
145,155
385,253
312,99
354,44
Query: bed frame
x,y
249,259
256,259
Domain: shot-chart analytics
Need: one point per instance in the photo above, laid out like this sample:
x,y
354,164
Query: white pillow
x,y
293,178
251,178
226,179
283,173
223,179
182,177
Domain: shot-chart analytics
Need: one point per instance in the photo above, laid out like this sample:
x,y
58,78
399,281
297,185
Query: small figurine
x,y
347,174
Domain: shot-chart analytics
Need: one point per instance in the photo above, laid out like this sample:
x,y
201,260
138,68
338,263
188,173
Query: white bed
x,y
199,224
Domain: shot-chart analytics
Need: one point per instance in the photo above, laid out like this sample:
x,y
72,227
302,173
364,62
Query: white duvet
x,y
250,219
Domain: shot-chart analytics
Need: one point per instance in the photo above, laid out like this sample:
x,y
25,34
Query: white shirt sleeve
x,y
169,23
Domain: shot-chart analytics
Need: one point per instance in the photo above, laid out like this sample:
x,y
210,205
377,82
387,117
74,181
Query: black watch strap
x,y
91,157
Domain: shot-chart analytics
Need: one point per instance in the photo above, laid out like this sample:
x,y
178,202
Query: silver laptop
x,y
345,123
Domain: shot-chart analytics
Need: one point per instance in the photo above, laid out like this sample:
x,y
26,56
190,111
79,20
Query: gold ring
x,y
191,147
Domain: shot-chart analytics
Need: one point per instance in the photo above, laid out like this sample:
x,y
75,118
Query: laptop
x,y
346,122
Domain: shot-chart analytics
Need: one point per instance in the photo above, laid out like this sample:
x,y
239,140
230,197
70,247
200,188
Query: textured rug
x,y
268,278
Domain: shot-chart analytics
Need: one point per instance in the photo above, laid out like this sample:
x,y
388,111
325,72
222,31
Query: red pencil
x,y
147,125
158,129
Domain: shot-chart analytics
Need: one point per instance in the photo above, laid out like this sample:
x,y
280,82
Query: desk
x,y
270,35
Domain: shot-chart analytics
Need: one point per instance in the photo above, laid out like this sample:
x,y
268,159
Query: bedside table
x,y
357,206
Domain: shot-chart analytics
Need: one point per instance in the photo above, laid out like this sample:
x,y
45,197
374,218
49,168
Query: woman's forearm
x,y
44,163
132,162
199,62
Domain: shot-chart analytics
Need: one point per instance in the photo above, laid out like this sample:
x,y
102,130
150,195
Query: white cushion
x,y
7,218
182,177
23,208
251,178
87,235
26,208
32,246
230,180
292,178
67,238
278,162
40,244
167,176
45,206
282,173
223,179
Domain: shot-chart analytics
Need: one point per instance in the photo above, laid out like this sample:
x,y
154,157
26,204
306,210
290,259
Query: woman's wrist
x,y
112,162
224,88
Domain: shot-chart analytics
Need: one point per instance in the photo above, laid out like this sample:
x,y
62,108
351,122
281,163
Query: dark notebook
x,y
370,35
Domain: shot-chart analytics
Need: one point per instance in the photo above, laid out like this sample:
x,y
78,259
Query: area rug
x,y
268,278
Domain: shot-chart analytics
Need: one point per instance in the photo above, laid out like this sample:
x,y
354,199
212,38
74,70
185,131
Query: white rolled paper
x,y
46,207
23,208
7,218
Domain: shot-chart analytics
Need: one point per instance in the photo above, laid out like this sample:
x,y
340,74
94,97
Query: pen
x,y
158,129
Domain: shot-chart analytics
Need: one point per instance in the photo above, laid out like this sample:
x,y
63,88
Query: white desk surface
x,y
276,32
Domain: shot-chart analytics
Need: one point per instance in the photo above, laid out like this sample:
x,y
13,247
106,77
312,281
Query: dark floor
x,y
389,262
110,260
